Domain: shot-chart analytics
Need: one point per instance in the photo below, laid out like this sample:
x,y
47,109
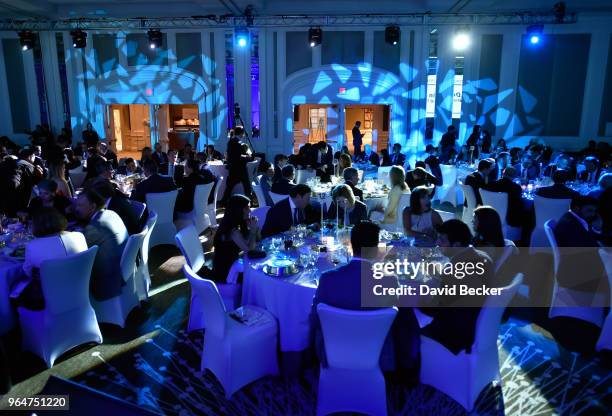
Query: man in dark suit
x,y
17,178
433,162
237,159
479,178
173,169
370,156
420,177
158,156
117,202
286,183
212,154
447,143
193,178
351,178
290,212
106,230
93,160
107,154
155,183
528,169
581,268
397,157
320,159
454,318
515,215
558,190
591,173
129,168
357,139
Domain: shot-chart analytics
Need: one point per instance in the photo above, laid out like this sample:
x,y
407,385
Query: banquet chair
x,y
567,302
465,375
142,281
259,194
77,176
383,173
509,250
139,208
302,175
116,310
448,191
353,380
252,168
188,242
605,338
212,208
143,267
68,320
236,353
276,198
499,201
260,213
468,211
545,209
445,215
163,204
399,216
198,216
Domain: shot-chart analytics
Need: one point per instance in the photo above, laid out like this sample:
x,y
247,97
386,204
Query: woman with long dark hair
x,y
488,232
420,220
238,232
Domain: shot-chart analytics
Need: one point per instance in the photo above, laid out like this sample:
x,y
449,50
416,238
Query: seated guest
x,y
105,229
454,318
51,241
292,211
93,161
447,143
193,178
473,141
485,143
351,178
280,161
515,216
488,232
186,153
528,169
370,156
107,154
502,161
557,190
118,202
464,155
158,155
345,207
342,287
420,220
420,177
604,182
581,268
238,232
385,158
434,163
266,184
173,169
591,173
501,146
155,183
479,179
286,183
301,160
129,168
565,162
48,198
321,159
146,154
344,161
212,154
57,173
398,187
397,157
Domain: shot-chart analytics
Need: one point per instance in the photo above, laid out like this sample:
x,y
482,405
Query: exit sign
x,y
149,91
341,90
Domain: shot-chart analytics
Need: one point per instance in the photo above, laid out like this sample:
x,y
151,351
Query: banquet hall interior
x,y
273,207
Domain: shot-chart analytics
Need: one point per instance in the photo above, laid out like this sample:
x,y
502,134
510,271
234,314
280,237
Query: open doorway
x,y
374,125
183,122
313,123
130,129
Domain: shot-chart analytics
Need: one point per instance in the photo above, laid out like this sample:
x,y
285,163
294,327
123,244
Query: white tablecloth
x,y
10,271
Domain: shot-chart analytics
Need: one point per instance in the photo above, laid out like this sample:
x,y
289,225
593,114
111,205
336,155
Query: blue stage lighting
x,y
242,37
534,39
534,34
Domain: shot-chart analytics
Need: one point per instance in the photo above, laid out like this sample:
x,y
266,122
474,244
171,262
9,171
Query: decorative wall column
x,y
242,84
594,83
53,86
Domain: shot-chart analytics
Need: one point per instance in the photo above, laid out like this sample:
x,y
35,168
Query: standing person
x,y
447,143
237,160
473,141
388,214
158,155
357,139
90,137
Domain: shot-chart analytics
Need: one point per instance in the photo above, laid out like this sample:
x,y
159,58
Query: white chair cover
x,y
212,208
260,213
302,175
445,215
499,201
115,310
259,194
77,176
252,168
143,267
545,209
68,319
605,338
468,211
509,250
138,207
198,215
447,192
568,302
164,230
353,381
276,198
464,376
142,281
236,353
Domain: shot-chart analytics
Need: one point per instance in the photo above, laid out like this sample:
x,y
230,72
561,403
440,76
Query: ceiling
x,y
57,9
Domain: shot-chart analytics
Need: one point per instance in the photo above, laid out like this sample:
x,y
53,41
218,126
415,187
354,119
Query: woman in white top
x,y
420,220
397,177
51,242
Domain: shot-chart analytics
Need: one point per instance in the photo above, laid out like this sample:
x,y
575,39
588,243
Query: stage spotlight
x,y
242,37
534,34
79,39
315,36
155,38
26,40
392,35
461,40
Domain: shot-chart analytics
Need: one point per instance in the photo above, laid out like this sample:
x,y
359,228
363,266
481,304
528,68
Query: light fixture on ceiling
x,y
461,40
79,39
242,37
315,36
392,35
27,39
534,34
156,39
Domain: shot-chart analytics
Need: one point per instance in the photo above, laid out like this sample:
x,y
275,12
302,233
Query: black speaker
x,y
296,113
386,111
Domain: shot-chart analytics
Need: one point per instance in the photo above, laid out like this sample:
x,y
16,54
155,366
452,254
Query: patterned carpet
x,y
539,378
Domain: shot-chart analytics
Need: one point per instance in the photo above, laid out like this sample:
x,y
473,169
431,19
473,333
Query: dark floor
x,y
156,365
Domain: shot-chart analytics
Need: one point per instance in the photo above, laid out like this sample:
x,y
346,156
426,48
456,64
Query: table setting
x,y
375,192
